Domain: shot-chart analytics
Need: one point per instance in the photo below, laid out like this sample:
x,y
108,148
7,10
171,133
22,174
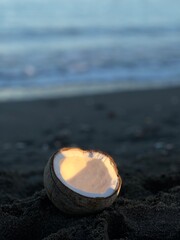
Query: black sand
x,y
141,130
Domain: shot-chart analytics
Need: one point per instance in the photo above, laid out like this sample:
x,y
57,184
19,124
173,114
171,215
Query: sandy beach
x,y
140,129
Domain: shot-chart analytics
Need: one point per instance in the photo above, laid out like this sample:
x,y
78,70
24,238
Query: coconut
x,y
81,182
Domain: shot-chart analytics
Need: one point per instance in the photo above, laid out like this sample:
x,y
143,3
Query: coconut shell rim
x,y
119,184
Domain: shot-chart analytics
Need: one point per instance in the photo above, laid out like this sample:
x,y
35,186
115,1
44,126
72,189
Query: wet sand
x,y
140,129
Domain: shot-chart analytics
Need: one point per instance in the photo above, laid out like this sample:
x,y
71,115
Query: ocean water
x,y
76,45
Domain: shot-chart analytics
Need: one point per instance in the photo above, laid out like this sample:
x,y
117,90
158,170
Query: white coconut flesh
x,y
88,173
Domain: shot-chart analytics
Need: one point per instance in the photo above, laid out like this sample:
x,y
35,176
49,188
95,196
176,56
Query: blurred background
x,y
71,47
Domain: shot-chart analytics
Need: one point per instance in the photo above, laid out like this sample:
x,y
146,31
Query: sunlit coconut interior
x,y
88,173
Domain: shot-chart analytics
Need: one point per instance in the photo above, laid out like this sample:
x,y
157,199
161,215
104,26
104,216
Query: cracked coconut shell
x,y
81,182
